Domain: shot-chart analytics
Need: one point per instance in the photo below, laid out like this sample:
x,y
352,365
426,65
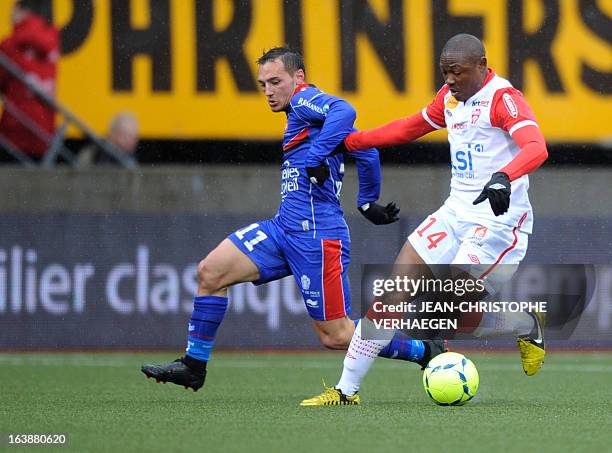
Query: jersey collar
x,y
488,78
300,88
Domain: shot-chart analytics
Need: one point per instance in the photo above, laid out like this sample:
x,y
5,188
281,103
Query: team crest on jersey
x,y
305,282
510,105
451,102
475,116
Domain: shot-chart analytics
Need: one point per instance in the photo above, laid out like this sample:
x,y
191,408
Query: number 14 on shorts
x,y
434,238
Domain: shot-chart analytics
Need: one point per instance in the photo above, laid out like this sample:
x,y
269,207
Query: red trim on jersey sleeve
x,y
509,108
396,132
435,110
533,152
333,292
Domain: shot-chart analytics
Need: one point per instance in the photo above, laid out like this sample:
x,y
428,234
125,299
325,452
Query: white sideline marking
x,y
115,362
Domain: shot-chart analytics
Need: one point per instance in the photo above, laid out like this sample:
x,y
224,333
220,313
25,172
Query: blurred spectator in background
x,y
27,122
122,133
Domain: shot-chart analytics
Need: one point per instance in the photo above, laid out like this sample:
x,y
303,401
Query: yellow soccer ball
x,y
451,379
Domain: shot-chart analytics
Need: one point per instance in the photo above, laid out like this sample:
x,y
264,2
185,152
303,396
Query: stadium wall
x,y
107,258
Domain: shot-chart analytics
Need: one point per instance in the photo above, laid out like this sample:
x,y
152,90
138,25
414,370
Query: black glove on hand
x,y
380,215
497,190
318,175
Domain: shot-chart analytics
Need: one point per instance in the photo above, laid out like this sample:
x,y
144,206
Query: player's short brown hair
x,y
291,59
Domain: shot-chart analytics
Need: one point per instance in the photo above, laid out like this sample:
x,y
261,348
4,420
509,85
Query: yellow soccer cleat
x,y
532,346
331,397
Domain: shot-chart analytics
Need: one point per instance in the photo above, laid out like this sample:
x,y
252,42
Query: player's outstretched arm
x,y
403,130
396,132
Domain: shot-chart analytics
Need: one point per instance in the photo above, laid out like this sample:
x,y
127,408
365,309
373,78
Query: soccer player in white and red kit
x,y
495,142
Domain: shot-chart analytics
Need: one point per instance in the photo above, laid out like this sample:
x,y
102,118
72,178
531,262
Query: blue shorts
x,y
319,265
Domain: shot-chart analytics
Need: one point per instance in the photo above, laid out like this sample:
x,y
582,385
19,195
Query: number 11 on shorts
x,y
260,236
433,238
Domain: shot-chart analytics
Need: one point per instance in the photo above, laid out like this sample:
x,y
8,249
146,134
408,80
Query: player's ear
x,y
483,62
299,76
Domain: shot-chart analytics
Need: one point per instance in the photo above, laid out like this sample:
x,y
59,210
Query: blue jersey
x,y
316,124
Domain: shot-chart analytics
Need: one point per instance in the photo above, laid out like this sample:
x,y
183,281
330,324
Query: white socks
x,y
362,351
361,354
503,323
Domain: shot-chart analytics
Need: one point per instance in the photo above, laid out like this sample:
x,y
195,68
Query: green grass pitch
x,y
250,403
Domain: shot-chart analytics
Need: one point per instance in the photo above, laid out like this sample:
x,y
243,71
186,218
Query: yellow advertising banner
x,y
187,68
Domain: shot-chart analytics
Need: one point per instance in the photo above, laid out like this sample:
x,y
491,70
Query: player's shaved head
x,y
464,65
464,47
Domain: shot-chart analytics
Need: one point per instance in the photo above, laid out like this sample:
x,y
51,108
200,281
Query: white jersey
x,y
479,133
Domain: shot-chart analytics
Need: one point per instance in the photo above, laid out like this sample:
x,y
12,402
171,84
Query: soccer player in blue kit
x,y
308,237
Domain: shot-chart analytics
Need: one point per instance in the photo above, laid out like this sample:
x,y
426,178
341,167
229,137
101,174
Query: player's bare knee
x,y
332,343
338,339
209,277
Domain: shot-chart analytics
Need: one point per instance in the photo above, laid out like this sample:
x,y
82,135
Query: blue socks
x,y
402,347
208,312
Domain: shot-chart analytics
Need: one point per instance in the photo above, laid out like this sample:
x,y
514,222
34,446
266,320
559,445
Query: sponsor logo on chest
x,y
480,103
463,115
